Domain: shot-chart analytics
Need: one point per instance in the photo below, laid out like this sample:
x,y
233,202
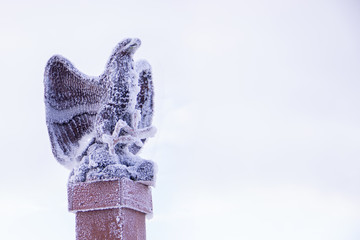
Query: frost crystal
x,y
97,125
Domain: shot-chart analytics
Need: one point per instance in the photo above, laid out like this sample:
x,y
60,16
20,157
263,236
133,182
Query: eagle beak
x,y
134,44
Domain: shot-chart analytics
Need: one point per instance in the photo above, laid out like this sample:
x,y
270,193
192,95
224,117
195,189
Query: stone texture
x,y
113,209
109,194
109,224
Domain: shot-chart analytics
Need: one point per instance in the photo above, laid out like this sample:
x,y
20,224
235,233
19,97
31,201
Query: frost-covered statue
x,y
97,125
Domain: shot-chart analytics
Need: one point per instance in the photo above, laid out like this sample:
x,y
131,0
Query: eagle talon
x,y
134,134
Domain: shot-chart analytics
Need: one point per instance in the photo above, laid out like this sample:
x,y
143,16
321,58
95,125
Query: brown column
x,y
113,209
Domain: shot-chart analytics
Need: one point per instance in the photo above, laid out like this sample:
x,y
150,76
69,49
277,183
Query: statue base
x,y
111,209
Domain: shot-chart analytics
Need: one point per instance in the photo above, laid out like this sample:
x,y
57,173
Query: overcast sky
x,y
257,111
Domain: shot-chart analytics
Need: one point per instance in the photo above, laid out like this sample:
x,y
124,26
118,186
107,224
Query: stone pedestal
x,y
112,209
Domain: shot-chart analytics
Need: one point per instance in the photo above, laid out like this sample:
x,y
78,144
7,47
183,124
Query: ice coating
x,y
99,164
96,125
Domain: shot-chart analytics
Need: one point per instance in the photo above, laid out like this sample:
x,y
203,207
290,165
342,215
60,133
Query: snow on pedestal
x,y
112,209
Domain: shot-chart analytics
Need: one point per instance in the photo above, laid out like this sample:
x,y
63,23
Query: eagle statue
x,y
97,125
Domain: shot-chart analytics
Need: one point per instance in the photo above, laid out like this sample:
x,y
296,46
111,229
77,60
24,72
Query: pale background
x,y
257,110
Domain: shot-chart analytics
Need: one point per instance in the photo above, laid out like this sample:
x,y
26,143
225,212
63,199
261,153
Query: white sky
x,y
257,110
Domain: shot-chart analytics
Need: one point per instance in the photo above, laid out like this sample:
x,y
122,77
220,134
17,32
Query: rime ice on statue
x,y
97,125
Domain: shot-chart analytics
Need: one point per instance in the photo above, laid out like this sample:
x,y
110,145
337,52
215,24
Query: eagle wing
x,y
145,98
72,101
